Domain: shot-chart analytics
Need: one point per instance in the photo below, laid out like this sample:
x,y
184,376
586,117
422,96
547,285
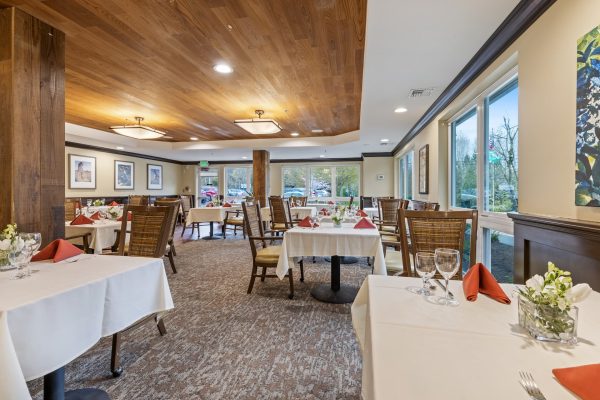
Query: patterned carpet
x,y
225,344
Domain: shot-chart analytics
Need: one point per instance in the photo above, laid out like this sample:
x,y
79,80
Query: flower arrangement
x,y
114,212
546,307
98,203
7,237
337,219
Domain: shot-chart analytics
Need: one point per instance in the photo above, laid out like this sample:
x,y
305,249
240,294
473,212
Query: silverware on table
x,y
440,284
530,386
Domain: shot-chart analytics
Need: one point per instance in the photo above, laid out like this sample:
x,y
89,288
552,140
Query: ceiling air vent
x,y
422,92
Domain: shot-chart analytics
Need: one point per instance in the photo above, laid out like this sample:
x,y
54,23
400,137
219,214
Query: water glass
x,y
32,242
17,256
447,262
425,267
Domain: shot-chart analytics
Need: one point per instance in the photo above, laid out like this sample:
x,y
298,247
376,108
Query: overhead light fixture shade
x,y
258,126
138,131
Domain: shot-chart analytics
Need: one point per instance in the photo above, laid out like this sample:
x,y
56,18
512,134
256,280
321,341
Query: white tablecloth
x,y
209,214
297,213
88,211
329,241
53,317
103,233
372,212
413,349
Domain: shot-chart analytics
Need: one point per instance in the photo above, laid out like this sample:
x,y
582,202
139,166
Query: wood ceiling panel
x,y
154,58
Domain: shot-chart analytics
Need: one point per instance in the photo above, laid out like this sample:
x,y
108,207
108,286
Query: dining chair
x,y
138,200
424,205
351,201
299,201
233,220
148,237
388,214
171,251
430,230
281,216
264,254
72,209
186,205
366,202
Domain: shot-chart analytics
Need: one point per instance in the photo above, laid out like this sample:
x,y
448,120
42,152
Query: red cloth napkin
x,y
113,203
330,203
364,224
128,217
226,205
361,213
480,280
584,380
209,205
325,211
95,216
81,220
305,223
57,251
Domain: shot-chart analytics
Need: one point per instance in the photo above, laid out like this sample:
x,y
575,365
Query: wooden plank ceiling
x,y
299,60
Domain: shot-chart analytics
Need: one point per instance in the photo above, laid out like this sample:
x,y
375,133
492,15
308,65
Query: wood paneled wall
x,y
32,124
260,170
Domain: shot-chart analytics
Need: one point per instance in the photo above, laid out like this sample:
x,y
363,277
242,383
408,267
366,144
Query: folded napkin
x,y
56,251
95,216
480,280
305,223
584,380
128,217
364,224
361,213
324,211
81,220
330,203
113,203
210,205
226,205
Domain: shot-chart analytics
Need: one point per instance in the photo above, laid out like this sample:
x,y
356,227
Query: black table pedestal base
x,y
334,293
54,389
345,259
324,293
212,235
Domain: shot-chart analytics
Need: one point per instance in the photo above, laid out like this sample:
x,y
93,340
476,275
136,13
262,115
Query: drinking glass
x,y
32,242
320,216
425,267
447,262
17,254
89,202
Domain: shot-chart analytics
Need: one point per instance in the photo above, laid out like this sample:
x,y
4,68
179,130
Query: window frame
x,y
249,183
308,173
402,182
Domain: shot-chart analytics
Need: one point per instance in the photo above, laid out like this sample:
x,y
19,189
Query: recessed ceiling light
x,y
322,156
167,137
120,148
384,140
295,134
193,138
317,131
223,68
400,110
244,158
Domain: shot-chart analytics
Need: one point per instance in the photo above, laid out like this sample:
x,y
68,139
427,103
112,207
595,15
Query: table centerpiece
x,y
7,237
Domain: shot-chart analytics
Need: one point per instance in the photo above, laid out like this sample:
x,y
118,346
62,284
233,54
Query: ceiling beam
x,y
517,22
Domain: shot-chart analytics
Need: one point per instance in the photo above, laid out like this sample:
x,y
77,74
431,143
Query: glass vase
x,y
546,323
4,263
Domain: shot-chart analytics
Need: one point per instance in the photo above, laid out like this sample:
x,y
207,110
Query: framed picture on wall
x,y
155,177
124,175
424,169
82,172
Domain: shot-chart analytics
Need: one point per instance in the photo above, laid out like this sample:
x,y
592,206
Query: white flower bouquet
x,y
546,307
8,236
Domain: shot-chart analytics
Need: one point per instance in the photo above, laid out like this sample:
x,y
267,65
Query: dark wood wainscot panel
x,y
573,245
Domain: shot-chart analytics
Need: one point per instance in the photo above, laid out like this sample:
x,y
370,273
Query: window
x,y
238,182
406,176
321,182
464,161
488,183
208,184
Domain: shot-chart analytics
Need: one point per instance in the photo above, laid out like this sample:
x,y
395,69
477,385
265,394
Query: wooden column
x,y
260,168
32,124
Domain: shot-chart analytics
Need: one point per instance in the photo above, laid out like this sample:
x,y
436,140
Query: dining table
x,y
103,233
297,213
209,215
335,242
415,349
64,308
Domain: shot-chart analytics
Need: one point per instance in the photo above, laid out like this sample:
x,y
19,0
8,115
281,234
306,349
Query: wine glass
x,y
447,262
320,216
17,254
32,242
425,267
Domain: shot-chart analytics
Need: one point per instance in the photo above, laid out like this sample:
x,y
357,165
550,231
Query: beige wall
x,y
371,168
105,172
545,56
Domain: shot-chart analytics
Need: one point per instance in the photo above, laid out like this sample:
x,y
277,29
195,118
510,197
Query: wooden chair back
x,y
249,199
149,232
424,206
351,201
298,201
366,201
186,203
138,200
72,206
430,230
388,210
254,225
280,211
176,204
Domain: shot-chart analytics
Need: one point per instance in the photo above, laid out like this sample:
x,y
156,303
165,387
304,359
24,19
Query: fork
x,y
530,386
